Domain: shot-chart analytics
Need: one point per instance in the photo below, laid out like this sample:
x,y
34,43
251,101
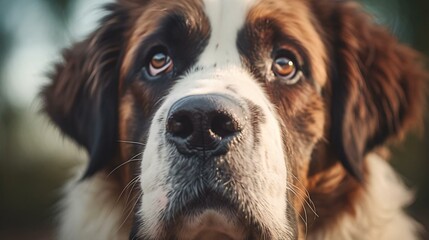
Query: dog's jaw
x,y
257,178
211,225
256,162
295,137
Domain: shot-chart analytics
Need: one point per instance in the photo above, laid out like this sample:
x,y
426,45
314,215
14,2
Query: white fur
x,y
226,18
219,67
92,210
265,168
380,210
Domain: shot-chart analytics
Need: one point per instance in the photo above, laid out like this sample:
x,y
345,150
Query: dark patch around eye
x,y
183,41
258,42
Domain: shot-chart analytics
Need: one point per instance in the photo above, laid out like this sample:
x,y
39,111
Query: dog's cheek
x,y
126,121
153,181
309,125
133,127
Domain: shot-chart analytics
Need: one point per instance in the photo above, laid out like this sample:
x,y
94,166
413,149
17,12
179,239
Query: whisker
x,y
132,159
131,190
305,218
129,213
131,142
308,200
133,181
305,197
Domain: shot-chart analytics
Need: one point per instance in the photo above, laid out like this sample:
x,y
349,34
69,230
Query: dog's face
x,y
218,146
233,105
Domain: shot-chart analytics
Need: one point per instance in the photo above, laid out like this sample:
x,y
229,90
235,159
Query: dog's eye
x,y
286,69
159,64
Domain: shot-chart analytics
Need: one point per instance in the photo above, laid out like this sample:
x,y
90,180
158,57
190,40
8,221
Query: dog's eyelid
x,y
290,53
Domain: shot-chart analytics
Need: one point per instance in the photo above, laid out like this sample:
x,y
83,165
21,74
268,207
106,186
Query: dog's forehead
x,y
293,18
224,19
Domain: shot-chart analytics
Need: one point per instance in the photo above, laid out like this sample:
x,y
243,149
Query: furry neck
x,y
373,209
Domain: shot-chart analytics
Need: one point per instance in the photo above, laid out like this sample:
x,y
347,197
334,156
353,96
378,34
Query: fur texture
x,y
305,162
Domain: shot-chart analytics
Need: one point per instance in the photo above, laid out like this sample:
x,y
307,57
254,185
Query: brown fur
x,y
368,89
383,88
148,16
380,82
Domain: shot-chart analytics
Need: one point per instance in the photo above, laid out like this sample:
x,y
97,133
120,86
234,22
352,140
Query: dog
x,y
238,119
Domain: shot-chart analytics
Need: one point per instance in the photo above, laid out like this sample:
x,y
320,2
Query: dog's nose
x,y
204,123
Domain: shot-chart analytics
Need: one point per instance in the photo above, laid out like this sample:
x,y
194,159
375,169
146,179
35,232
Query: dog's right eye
x,y
286,68
160,64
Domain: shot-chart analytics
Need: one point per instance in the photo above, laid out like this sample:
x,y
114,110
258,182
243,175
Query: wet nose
x,y
204,123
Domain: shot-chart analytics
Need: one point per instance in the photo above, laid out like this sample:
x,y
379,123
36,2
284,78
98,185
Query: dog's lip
x,y
211,224
208,235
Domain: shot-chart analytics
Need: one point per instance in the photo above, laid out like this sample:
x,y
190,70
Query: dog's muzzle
x,y
213,168
204,124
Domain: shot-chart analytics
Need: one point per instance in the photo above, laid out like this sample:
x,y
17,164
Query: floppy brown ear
x,y
82,97
377,85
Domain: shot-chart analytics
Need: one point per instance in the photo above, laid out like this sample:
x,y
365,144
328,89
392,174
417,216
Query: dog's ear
x,y
82,97
377,85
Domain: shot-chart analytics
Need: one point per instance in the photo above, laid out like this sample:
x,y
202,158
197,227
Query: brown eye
x,y
160,63
286,69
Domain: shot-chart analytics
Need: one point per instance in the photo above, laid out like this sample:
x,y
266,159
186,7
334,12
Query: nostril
x,y
180,126
204,124
224,126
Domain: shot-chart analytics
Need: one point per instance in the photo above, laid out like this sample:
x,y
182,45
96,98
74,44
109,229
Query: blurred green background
x,y
35,159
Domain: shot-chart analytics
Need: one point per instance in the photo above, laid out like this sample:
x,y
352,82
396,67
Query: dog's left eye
x,y
286,69
159,64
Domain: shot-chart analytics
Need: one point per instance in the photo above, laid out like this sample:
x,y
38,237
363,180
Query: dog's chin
x,y
212,215
210,224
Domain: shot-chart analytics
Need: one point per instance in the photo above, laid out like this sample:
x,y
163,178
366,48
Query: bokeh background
x,y
35,159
